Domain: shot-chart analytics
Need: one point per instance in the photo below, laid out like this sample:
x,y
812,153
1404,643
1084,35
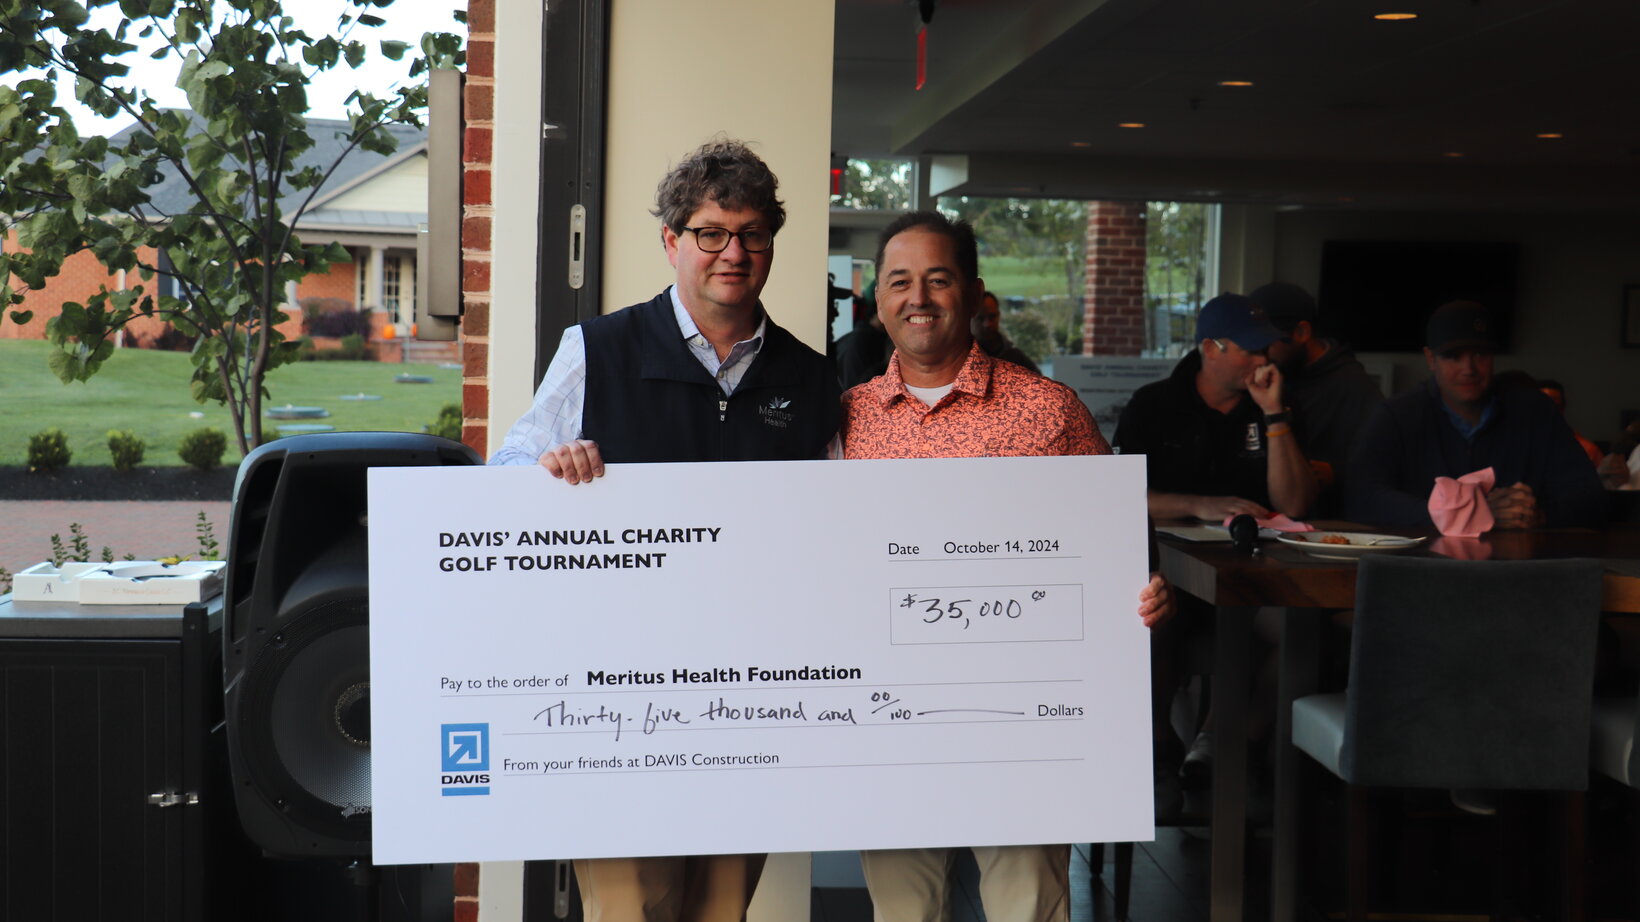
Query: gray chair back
x,y
1472,674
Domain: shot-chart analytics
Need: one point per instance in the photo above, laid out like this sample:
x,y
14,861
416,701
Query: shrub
x,y
448,423
340,323
172,340
48,450
202,448
126,447
205,532
352,348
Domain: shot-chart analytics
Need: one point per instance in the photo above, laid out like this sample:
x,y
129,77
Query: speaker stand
x,y
366,879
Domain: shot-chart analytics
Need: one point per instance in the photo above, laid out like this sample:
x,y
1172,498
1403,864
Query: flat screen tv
x,y
1377,294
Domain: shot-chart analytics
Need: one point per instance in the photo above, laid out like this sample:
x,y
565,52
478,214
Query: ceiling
x,y
1024,98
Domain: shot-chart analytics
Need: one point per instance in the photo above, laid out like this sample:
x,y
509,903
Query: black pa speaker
x,y
296,636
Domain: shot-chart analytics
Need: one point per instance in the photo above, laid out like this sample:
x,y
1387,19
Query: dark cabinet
x,y
106,716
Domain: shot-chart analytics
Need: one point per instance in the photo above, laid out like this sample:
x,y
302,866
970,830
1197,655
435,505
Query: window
x,y
399,287
1031,255
1181,247
876,184
390,285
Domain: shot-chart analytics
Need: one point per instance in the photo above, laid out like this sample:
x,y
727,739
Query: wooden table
x,y
1284,577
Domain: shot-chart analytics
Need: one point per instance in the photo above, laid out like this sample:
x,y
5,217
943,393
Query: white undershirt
x,y
931,395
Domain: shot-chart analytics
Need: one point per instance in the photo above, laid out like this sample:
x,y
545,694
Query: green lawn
x,y
147,392
1027,277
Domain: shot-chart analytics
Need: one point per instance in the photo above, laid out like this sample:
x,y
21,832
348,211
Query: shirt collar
x,y
691,332
1462,425
974,378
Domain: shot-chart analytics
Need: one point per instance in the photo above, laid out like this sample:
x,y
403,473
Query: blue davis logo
x,y
465,759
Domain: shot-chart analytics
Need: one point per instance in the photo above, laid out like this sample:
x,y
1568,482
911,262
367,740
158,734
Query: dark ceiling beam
x,y
1442,186
970,53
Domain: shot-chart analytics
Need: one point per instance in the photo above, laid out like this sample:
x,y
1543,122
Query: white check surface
x,y
756,660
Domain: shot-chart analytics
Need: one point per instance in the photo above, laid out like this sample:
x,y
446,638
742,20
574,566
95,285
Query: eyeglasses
x,y
716,239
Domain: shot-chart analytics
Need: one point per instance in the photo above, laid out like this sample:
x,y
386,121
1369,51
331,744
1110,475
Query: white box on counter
x,y
148,582
45,582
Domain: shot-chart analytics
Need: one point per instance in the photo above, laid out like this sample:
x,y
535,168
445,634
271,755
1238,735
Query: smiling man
x,y
687,375
698,373
1457,423
944,397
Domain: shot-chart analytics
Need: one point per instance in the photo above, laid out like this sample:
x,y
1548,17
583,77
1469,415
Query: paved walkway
x,y
145,529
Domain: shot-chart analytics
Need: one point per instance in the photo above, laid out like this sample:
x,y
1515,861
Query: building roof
x,y
357,167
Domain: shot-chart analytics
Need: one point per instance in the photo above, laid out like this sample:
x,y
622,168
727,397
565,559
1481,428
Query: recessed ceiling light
x,y
1081,143
1394,17
1130,124
1550,135
1235,83
1453,153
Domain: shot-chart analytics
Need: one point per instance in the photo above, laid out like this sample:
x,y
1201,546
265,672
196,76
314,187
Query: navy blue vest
x,y
649,399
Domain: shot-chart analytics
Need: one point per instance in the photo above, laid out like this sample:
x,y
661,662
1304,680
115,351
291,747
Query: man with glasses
x,y
698,373
1217,437
1218,442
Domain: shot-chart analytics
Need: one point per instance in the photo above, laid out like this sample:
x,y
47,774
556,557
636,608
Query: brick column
x,y
478,210
1113,300
466,888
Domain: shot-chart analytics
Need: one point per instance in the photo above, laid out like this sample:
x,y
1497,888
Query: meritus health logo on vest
x,y
774,412
464,759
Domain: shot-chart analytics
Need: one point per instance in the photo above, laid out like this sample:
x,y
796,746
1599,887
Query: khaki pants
x,y
698,888
1017,883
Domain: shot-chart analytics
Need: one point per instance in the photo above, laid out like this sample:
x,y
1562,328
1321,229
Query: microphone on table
x,y
1244,534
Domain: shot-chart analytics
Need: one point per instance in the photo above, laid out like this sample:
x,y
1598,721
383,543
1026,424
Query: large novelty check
x,y
799,656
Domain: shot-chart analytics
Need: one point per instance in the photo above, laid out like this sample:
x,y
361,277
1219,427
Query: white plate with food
x,y
1345,545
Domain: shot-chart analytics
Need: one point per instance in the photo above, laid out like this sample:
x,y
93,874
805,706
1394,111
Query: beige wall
x,y
781,104
516,188
679,74
401,189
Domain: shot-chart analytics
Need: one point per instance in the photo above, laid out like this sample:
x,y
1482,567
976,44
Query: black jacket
x,y
649,399
1410,441
1189,447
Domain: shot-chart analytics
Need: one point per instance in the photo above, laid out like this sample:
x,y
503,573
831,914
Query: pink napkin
x,y
1459,508
1277,522
1461,548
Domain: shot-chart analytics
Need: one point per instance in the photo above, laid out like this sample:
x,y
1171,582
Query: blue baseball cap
x,y
1238,319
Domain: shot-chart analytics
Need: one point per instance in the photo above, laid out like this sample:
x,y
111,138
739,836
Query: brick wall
x,y
80,278
340,281
478,211
82,275
1113,301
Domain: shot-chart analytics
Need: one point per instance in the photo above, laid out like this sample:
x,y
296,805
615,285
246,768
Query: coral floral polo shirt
x,y
995,409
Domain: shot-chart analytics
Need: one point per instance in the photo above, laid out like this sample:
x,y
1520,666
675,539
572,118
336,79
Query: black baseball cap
x,y
1459,325
1285,305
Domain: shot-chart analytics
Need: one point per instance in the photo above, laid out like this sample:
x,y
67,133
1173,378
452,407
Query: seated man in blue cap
x,y
1218,442
1459,422
1217,438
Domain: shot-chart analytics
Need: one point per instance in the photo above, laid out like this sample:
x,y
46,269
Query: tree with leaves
x,y
244,153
